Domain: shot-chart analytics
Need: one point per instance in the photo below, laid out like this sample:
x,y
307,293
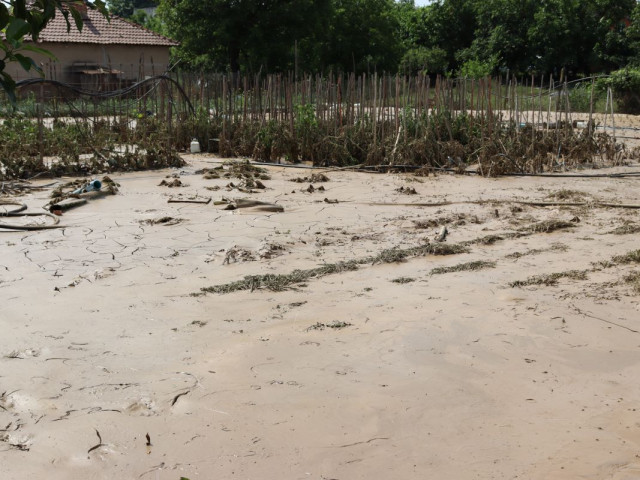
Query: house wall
x,y
135,61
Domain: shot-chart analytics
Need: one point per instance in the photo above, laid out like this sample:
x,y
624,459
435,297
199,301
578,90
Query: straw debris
x,y
629,257
567,194
403,280
547,226
556,247
313,178
550,279
336,325
464,267
626,229
633,279
280,282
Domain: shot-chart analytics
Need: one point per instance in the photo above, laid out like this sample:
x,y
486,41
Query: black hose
x,y
111,94
20,212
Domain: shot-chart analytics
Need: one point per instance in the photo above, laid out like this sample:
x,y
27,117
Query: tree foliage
x,y
274,35
126,8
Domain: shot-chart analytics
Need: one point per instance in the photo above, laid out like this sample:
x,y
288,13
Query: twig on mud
x,y
100,444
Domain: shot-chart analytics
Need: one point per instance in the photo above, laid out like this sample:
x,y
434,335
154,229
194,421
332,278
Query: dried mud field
x,y
336,339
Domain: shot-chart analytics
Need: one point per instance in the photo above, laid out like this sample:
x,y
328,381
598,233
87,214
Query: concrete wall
x,y
135,61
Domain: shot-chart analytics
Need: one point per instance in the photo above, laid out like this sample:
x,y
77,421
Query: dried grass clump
x,y
486,240
556,247
550,279
335,325
626,229
313,178
567,194
403,280
455,220
629,257
406,190
396,255
547,226
245,170
278,283
464,267
162,221
633,279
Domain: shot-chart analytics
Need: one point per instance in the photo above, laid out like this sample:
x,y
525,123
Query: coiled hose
x,y
20,212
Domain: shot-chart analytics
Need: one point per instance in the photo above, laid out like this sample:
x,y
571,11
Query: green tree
x,y
451,25
500,36
580,36
424,60
363,36
632,36
246,34
614,19
27,18
126,8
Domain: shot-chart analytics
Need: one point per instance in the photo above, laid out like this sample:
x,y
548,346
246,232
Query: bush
x,y
580,97
625,85
424,60
475,69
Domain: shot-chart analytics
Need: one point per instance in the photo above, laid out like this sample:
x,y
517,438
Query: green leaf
x,y
17,29
4,16
77,18
19,8
9,86
26,62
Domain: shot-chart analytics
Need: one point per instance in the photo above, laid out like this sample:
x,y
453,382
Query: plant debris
x,y
280,282
313,178
407,190
547,226
556,247
245,170
166,221
567,194
463,267
629,257
403,280
550,279
172,184
270,250
237,254
633,279
454,220
626,229
486,240
336,325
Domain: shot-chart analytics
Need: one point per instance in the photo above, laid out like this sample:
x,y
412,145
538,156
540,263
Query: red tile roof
x,y
98,30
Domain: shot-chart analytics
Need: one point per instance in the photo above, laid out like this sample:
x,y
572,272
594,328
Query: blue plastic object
x,y
92,186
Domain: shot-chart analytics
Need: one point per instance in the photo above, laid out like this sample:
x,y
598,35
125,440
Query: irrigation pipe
x,y
20,212
378,168
109,94
518,202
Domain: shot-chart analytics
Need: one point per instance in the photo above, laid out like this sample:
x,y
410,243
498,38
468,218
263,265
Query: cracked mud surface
x,y
110,367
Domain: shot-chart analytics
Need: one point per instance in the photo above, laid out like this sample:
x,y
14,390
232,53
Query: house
x,y
106,54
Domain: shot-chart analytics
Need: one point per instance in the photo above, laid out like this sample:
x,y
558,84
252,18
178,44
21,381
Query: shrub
x,y
424,60
625,85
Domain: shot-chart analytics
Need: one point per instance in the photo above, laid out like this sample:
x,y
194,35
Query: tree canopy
x,y
521,36
126,8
